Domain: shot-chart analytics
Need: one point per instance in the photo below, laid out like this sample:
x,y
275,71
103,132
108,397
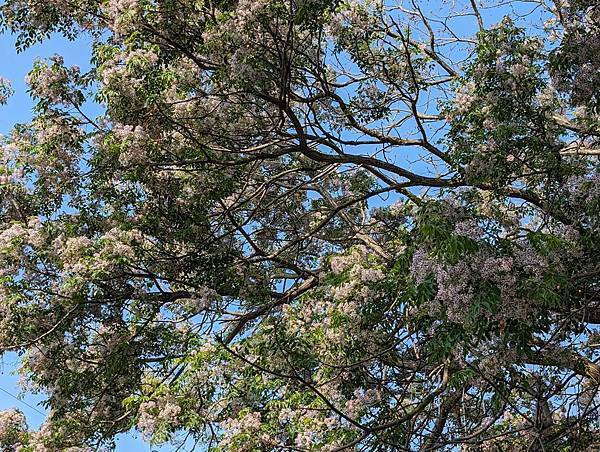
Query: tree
x,y
307,225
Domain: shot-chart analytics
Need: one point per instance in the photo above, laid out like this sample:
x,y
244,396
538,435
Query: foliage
x,y
307,225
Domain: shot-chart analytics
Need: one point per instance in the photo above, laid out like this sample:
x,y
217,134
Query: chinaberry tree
x,y
307,225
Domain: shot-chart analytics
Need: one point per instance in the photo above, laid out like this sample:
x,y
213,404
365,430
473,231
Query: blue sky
x,y
15,67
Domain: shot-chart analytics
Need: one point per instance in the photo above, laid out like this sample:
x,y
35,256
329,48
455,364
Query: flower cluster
x,y
357,264
123,15
123,73
52,81
363,398
17,238
133,143
501,129
575,61
160,412
82,256
5,90
12,427
458,283
353,18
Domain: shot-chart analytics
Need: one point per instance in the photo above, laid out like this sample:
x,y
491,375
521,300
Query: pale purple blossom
x,y
469,228
12,424
5,90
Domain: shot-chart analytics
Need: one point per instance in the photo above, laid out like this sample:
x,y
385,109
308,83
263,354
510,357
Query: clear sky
x,y
15,67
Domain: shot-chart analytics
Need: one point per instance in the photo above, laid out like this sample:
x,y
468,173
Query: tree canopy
x,y
306,225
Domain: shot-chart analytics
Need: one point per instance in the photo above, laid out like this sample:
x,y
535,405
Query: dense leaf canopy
x,y
306,225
